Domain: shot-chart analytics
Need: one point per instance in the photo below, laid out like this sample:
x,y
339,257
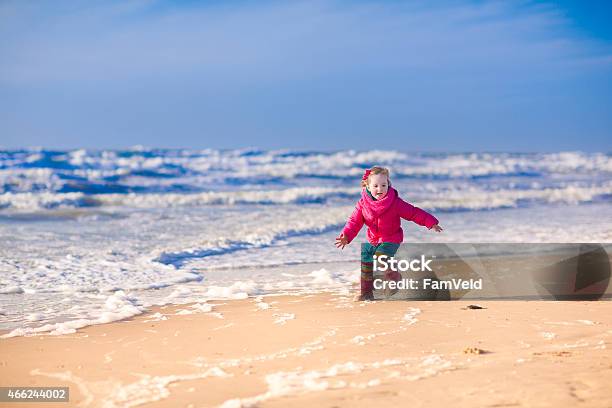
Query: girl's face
x,y
378,184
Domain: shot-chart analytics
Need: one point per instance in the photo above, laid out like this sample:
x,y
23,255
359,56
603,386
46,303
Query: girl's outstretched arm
x,y
411,213
341,241
354,224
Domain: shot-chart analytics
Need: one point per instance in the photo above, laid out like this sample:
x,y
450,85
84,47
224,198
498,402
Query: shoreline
x,y
325,348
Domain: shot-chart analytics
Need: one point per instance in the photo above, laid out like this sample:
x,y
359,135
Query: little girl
x,y
381,209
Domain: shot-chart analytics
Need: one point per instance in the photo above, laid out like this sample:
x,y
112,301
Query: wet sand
x,y
327,350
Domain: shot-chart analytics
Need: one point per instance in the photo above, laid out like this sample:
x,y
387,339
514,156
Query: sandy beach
x,y
195,194
327,350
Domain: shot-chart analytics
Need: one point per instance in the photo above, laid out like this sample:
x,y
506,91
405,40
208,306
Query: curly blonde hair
x,y
376,170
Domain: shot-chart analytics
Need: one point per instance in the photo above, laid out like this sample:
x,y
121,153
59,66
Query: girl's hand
x,y
341,242
437,228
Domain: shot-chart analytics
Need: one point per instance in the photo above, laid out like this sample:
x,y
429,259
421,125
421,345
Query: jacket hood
x,y
377,207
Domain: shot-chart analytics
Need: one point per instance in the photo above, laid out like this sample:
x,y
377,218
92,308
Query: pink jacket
x,y
383,218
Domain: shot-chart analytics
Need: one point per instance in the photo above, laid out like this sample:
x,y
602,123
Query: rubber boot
x,y
394,276
367,286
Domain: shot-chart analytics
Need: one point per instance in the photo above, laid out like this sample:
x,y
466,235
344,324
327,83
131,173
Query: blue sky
x,y
317,75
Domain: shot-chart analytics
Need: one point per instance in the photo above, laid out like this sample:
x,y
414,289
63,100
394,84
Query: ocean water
x,y
93,236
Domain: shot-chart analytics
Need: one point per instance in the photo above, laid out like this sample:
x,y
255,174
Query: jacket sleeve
x,y
354,224
411,213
